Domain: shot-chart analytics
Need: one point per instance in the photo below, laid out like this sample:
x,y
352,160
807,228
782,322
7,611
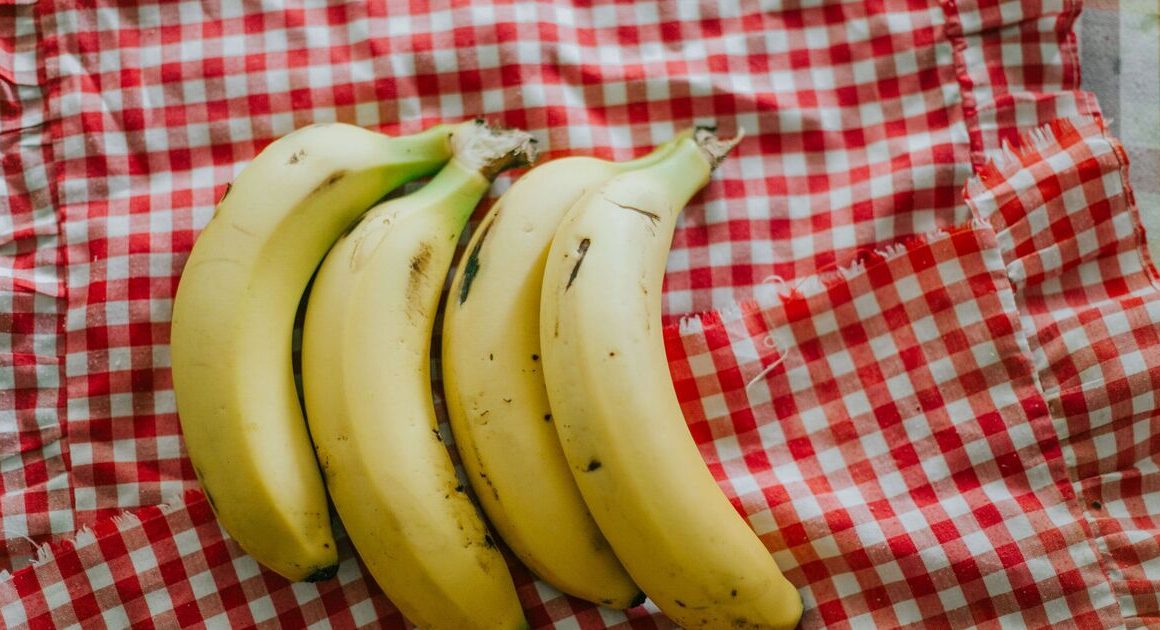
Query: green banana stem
x,y
480,154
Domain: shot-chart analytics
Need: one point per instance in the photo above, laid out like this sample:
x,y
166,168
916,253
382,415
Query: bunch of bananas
x,y
560,402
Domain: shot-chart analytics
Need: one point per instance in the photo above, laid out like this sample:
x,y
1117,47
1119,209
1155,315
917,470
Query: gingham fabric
x,y
1074,250
882,430
891,431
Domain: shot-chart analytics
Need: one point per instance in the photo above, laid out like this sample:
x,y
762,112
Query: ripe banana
x,y
617,414
494,389
365,370
232,322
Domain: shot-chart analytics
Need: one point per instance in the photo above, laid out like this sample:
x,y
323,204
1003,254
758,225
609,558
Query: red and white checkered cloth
x,y
925,377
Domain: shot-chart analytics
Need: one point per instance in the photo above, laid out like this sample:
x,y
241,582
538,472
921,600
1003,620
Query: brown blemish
x,y
297,156
652,216
484,477
418,266
593,464
547,417
471,267
581,251
328,182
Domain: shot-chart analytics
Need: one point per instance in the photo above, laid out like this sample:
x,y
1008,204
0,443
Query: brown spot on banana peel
x,y
419,260
484,477
652,216
593,464
297,156
335,178
581,252
415,278
471,266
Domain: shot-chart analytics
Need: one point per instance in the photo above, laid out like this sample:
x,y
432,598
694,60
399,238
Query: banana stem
x,y
715,148
421,147
689,165
479,153
490,151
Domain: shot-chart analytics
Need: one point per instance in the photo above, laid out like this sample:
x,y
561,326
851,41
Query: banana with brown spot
x,y
232,323
617,414
365,369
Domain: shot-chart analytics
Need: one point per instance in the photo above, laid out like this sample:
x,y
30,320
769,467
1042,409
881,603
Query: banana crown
x,y
491,150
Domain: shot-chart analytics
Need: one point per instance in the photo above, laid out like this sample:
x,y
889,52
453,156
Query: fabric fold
x,y
1074,248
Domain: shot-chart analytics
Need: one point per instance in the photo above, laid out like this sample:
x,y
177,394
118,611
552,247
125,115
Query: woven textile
x,y
921,367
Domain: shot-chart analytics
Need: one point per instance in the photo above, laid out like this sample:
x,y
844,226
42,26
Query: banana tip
x,y
715,148
322,574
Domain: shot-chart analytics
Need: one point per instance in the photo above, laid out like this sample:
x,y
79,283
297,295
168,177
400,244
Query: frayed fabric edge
x,y
775,291
46,552
1009,158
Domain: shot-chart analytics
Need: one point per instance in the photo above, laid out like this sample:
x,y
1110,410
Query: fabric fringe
x,y
84,536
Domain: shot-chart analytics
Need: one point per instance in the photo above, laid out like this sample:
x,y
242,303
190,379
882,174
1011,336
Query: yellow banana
x,y
365,371
494,388
233,319
617,414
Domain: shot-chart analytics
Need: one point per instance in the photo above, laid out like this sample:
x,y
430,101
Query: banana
x,y
232,323
365,370
496,401
617,415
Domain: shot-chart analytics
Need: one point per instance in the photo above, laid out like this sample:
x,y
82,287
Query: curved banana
x,y
365,372
233,318
617,414
494,389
